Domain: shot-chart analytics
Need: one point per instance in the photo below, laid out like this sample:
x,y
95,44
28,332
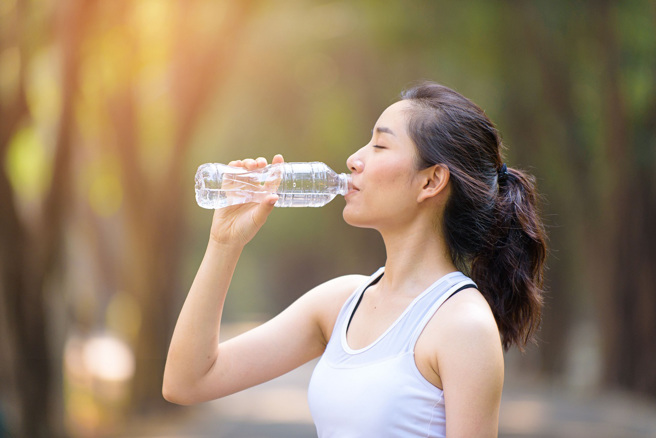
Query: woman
x,y
414,350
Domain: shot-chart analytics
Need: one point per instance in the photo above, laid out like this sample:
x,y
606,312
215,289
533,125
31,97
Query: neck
x,y
416,258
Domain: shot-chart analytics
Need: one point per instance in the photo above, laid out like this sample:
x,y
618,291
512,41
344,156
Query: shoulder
x,y
339,284
462,332
336,290
466,336
327,299
466,314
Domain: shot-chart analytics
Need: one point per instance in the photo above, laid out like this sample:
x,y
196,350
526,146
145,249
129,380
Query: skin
x,y
460,349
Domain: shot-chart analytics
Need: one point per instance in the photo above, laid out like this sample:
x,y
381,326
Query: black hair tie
x,y
503,172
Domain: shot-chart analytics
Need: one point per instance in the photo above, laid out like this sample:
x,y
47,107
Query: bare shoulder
x,y
335,291
463,328
327,299
466,335
467,313
337,286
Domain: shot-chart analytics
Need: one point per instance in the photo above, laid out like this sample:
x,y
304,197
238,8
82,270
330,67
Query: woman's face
x,y
386,182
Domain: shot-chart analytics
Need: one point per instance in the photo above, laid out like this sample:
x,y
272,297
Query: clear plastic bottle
x,y
297,184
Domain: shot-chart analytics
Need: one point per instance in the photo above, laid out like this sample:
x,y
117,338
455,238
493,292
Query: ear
x,y
435,180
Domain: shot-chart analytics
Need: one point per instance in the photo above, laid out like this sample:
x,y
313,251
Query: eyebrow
x,y
385,130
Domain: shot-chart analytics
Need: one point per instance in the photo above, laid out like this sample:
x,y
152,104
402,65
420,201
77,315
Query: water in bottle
x,y
297,184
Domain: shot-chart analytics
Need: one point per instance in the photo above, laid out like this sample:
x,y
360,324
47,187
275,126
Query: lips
x,y
354,189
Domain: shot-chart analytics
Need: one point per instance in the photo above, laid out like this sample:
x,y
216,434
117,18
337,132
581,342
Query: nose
x,y
354,163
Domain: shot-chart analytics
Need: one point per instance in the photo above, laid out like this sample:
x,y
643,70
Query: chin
x,y
354,219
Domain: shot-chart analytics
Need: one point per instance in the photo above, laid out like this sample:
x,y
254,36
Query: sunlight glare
x,y
108,358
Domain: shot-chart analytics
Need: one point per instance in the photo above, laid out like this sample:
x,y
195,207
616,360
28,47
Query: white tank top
x,y
378,391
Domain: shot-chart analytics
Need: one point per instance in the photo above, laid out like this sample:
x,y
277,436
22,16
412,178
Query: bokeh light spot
x,y
27,165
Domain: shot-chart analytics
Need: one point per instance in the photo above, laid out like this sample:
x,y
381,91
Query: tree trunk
x,y
30,254
154,217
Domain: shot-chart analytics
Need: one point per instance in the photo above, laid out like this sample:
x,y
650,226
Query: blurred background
x,y
107,107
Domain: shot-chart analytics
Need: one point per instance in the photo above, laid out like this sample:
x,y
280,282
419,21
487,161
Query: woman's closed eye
x,y
377,146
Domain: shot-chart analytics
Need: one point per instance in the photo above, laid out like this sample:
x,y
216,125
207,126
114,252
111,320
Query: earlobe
x,y
436,179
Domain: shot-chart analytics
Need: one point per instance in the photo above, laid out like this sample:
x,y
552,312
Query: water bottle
x,y
297,184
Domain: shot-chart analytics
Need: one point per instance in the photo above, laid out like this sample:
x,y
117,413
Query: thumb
x,y
263,209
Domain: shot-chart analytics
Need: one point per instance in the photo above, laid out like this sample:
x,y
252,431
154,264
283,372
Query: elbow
x,y
170,395
185,392
176,393
176,397
173,396
183,388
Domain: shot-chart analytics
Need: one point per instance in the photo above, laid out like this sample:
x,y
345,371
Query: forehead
x,y
396,111
395,117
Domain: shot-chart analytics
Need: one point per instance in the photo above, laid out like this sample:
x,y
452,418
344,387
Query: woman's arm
x,y
198,368
193,351
468,360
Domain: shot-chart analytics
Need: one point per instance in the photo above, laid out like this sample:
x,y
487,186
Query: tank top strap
x,y
452,285
345,314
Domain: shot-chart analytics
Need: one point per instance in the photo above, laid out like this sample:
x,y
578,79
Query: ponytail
x,y
509,268
491,222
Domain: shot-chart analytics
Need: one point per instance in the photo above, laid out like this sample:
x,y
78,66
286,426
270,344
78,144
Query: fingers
x,y
263,210
258,163
250,164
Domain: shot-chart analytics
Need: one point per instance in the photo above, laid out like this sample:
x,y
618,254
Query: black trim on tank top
x,y
360,300
467,286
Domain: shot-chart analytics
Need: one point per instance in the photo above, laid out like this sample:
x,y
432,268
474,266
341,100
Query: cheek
x,y
395,176
387,190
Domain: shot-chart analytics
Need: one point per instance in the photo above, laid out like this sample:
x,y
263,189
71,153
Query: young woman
x,y
414,350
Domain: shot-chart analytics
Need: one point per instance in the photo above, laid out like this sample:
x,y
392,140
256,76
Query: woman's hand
x,y
238,224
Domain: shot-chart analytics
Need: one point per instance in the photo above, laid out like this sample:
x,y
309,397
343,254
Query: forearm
x,y
194,347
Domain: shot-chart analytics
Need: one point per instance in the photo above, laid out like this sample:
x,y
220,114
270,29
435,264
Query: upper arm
x,y
470,364
290,339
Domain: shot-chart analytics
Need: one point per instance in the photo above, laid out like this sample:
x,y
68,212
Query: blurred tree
x,y
31,235
595,124
30,240
630,141
198,68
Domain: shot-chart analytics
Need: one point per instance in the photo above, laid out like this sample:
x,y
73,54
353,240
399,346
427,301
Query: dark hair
x,y
491,222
